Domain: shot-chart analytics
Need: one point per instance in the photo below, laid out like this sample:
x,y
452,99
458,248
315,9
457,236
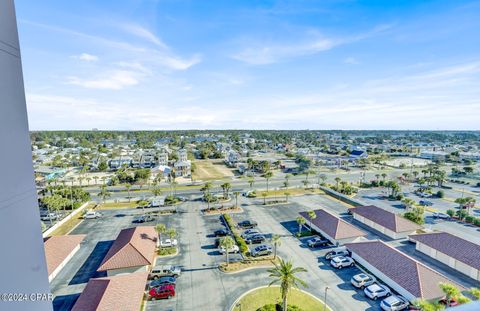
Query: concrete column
x,y
22,257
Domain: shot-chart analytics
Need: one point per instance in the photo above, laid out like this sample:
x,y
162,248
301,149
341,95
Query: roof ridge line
x,y
139,252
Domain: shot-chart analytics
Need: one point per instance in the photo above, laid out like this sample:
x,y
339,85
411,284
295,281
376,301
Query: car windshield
x,y
360,277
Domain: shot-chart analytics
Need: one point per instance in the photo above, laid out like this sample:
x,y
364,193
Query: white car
x,y
342,261
441,215
168,243
376,291
362,280
92,215
49,216
235,249
394,303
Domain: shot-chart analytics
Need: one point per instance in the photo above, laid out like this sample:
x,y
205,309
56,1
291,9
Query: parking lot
x,y
202,286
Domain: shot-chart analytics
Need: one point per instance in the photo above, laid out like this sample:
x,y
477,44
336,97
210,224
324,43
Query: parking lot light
x,y
325,301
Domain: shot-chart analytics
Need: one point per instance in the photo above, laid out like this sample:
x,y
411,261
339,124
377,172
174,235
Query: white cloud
x,y
263,54
112,80
87,57
144,33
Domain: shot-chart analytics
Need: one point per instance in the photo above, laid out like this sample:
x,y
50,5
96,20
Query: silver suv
x,y
362,280
167,270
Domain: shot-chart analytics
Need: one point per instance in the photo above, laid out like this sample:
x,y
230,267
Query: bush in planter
x,y
476,221
399,197
450,212
278,307
469,219
440,194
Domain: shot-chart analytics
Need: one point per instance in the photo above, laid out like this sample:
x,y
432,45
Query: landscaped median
x,y
248,264
265,298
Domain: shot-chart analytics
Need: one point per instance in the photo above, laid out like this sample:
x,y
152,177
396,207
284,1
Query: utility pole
x,y
325,301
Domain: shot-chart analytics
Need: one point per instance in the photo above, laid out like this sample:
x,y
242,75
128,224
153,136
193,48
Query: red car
x,y
453,302
162,292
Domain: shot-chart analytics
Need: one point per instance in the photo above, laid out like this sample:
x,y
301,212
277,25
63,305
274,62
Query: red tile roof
x,y
333,226
386,219
58,248
453,246
416,278
121,292
133,247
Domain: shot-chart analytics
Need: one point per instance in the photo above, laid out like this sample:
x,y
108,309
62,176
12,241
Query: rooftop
x,y
58,248
385,218
416,278
333,226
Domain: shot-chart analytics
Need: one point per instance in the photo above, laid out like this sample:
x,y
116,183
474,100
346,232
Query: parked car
x,y
166,270
235,249
247,224
92,215
317,241
255,239
452,303
143,218
425,203
337,252
249,232
362,280
261,250
162,292
164,280
342,261
394,303
49,216
376,291
168,243
441,215
220,232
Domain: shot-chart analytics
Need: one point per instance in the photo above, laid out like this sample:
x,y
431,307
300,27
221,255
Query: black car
x,y
220,232
255,239
317,242
247,224
144,218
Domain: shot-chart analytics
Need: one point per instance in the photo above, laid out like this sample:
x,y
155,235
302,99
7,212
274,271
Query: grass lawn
x,y
113,205
293,192
209,169
71,223
268,295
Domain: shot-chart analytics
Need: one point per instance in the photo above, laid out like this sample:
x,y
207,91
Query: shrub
x,y
242,245
469,219
476,221
414,217
450,212
399,197
440,194
278,307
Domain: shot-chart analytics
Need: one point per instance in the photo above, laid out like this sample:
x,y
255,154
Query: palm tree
x,y
104,178
285,274
172,233
227,243
425,305
251,181
312,215
128,186
276,243
287,194
384,175
206,192
300,221
236,194
450,292
104,194
377,176
160,228
267,177
226,188
286,182
88,179
337,180
96,179
80,181
264,195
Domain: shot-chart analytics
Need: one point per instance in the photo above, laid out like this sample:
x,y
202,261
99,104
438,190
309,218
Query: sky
x,y
302,64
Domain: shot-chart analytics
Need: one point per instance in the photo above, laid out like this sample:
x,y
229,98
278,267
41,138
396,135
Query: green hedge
x,y
240,241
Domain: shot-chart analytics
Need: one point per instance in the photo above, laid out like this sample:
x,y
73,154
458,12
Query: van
x,y
166,270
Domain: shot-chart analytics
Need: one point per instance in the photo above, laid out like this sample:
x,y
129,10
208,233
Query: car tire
x,y
169,296
155,277
374,297
153,299
340,267
352,264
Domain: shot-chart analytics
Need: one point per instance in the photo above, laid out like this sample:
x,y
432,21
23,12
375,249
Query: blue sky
x,y
307,64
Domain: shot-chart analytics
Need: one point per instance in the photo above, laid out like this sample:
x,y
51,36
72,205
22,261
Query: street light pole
x,y
325,300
